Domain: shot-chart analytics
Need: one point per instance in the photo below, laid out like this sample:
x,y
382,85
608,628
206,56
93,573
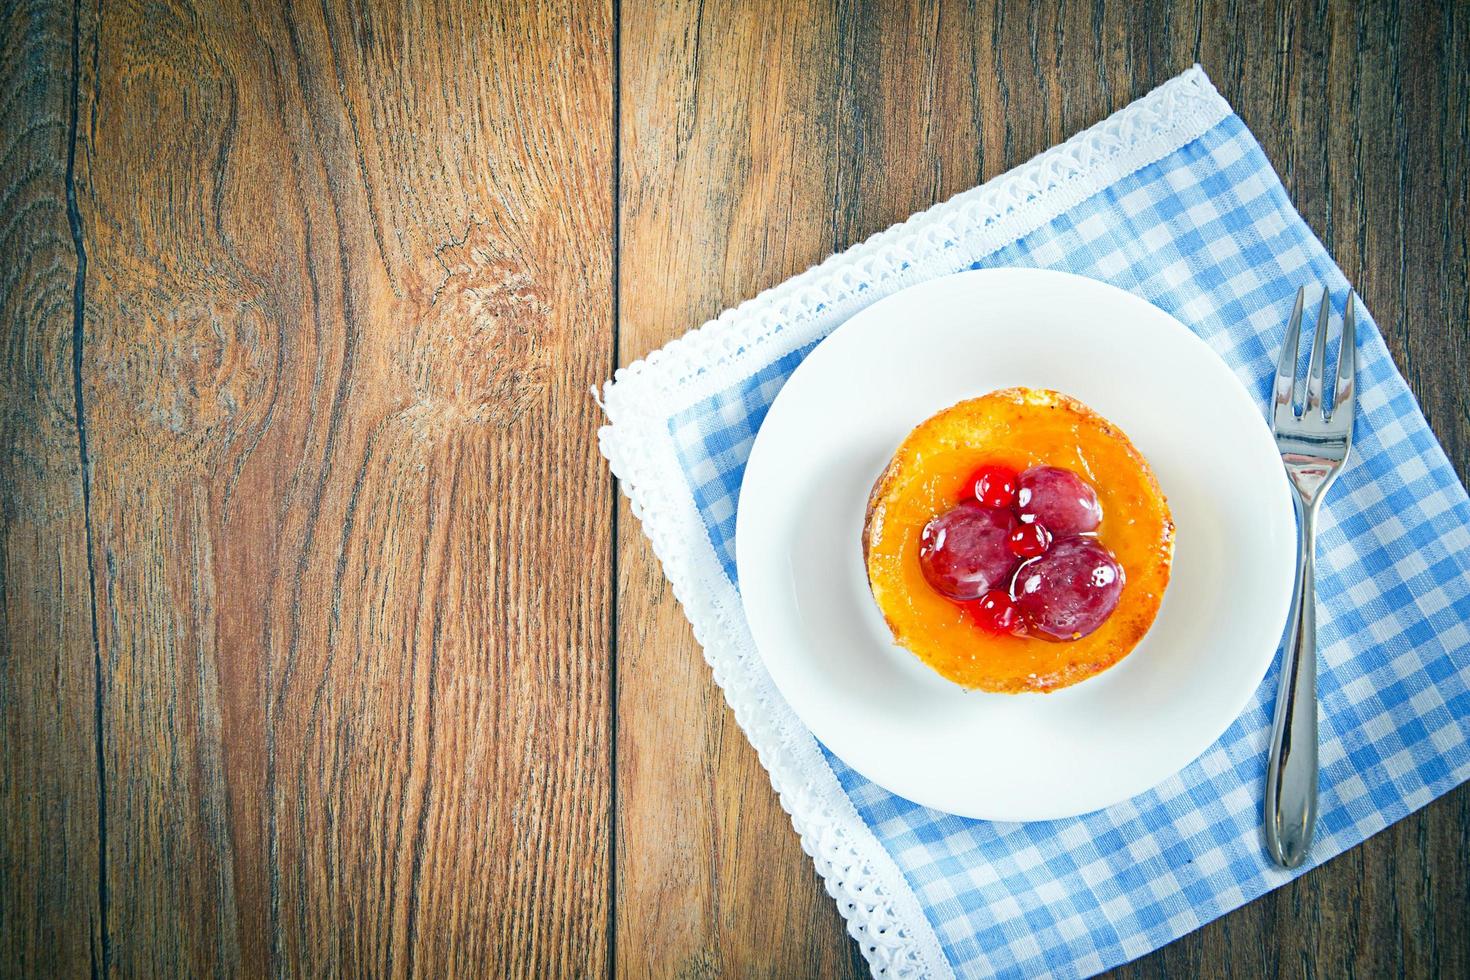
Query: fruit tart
x,y
1018,542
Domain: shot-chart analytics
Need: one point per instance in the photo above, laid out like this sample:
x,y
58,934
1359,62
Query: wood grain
x,y
757,142
349,280
50,904
306,669
718,139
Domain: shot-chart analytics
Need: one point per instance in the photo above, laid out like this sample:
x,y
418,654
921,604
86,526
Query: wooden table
x,y
327,646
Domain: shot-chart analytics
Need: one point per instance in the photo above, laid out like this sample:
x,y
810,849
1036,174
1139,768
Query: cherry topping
x,y
1058,498
1029,540
1071,590
995,486
996,612
963,552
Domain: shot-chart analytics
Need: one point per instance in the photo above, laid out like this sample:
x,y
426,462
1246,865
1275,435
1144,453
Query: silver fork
x,y
1314,446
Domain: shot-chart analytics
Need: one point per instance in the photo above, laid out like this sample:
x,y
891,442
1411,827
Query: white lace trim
x,y
883,914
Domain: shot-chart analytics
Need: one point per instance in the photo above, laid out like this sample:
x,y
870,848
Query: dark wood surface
x,y
333,693
326,645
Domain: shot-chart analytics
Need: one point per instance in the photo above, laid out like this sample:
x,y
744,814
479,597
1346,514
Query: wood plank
x,y
50,906
754,142
729,154
349,284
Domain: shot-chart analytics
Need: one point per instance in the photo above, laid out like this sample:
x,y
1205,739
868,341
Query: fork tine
x,y
1286,365
1347,361
1319,358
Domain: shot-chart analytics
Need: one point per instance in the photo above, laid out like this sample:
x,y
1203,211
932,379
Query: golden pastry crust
x,y
1017,427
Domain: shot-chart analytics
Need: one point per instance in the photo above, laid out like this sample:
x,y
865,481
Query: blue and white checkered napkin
x,y
1172,199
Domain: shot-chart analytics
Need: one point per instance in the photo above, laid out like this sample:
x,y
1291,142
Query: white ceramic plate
x,y
1028,756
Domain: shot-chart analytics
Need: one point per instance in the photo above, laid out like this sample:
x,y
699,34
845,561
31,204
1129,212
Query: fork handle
x,y
1291,774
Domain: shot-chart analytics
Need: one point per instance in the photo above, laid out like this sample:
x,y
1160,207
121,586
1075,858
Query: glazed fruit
x,y
964,552
995,486
1071,590
1059,499
1049,440
1061,593
997,612
1029,540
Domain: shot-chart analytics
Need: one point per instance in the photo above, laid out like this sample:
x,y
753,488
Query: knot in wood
x,y
477,355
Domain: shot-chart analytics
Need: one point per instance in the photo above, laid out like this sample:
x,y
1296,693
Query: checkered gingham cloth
x,y
1172,199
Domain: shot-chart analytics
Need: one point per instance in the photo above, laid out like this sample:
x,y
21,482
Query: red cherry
x,y
1029,540
996,612
995,486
